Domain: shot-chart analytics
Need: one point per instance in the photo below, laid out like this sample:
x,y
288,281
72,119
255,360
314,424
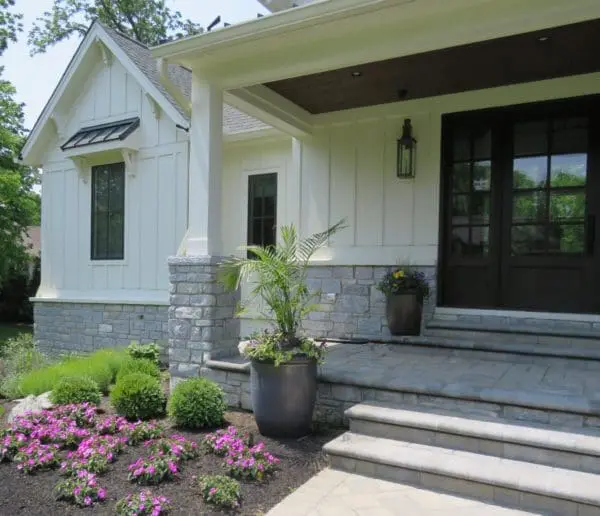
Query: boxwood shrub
x,y
138,396
197,403
76,389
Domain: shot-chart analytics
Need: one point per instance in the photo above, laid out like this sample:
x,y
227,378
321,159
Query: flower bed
x,y
92,469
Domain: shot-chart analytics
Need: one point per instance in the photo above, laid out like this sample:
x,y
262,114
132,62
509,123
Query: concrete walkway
x,y
335,493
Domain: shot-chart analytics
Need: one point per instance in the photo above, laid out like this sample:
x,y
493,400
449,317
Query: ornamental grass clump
x,y
176,445
138,396
153,469
82,489
197,403
138,365
221,491
144,503
36,456
75,390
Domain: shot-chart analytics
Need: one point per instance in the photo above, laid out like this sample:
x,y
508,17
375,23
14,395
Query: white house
x,y
208,142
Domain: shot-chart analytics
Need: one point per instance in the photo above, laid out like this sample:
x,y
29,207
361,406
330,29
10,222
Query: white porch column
x,y
204,194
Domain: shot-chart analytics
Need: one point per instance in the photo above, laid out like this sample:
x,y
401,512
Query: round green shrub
x,y
75,389
197,403
138,396
138,365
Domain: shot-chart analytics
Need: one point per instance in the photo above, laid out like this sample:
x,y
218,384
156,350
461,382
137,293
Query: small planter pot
x,y
283,398
403,312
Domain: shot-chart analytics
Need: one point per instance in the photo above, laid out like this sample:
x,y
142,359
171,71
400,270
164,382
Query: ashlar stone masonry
x,y
201,325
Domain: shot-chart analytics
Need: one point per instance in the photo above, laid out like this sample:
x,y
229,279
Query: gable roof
x,y
234,121
134,54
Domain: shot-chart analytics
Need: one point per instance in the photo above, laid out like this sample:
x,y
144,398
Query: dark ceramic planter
x,y
283,398
403,312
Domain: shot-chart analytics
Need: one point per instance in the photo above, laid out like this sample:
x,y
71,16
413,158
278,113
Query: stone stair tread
x,y
510,347
541,436
527,329
527,477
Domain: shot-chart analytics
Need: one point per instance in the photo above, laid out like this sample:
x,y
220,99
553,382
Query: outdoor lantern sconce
x,y
407,152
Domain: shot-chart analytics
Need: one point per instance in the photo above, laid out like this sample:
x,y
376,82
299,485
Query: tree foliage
x,y
147,21
19,204
10,24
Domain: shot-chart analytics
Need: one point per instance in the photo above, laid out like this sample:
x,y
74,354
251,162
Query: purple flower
x,y
101,493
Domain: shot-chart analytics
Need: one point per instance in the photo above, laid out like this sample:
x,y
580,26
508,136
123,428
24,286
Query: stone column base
x,y
202,325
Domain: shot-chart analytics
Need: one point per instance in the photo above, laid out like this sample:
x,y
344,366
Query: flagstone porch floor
x,y
543,389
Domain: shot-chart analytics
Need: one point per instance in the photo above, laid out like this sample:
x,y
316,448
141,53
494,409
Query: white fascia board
x,y
57,94
96,33
271,108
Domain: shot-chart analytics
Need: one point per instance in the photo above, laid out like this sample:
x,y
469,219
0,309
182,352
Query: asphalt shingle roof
x,y
234,121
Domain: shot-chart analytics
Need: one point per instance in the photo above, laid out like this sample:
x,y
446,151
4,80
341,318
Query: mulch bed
x,y
21,493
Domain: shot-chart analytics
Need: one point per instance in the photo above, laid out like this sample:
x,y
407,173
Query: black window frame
x,y
106,251
263,218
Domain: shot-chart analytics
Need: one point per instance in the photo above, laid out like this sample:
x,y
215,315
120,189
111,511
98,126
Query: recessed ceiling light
x,y
541,39
356,74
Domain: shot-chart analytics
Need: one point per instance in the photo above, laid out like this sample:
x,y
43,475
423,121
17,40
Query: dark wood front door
x,y
520,199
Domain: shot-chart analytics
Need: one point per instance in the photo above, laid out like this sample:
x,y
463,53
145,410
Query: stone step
x,y
541,444
535,338
527,486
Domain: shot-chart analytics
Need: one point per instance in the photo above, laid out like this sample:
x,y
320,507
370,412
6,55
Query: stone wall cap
x,y
238,365
195,260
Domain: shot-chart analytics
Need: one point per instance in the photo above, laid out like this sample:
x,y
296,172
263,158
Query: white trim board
x,y
518,314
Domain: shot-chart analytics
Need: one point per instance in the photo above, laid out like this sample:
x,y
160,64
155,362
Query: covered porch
x,y
341,78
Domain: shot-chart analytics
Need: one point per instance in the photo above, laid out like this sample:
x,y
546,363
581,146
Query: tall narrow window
x,y
108,212
262,209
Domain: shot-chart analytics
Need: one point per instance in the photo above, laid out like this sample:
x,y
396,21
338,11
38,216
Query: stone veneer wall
x,y
202,325
350,304
68,327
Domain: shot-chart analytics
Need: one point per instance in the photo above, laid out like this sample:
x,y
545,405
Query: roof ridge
x,y
122,34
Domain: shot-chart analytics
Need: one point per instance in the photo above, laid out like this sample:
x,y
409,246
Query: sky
x,y
36,77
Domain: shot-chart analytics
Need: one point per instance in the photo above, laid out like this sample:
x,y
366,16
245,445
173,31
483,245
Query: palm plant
x,y
280,273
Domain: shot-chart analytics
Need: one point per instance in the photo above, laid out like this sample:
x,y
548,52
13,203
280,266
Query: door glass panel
x,y
567,206
479,240
461,148
529,206
460,209
568,170
530,172
461,173
480,208
531,138
482,144
528,240
482,175
566,238
569,135
460,241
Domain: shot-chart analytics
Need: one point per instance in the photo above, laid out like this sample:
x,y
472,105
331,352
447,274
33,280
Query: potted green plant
x,y
405,288
283,374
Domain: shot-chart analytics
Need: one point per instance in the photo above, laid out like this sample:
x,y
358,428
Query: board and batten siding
x,y
155,204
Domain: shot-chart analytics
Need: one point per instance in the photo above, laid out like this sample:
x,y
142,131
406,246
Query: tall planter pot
x,y
403,312
283,397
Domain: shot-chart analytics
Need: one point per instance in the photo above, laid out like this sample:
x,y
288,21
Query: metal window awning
x,y
103,133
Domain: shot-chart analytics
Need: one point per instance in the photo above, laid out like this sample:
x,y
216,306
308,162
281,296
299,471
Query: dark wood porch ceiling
x,y
557,52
